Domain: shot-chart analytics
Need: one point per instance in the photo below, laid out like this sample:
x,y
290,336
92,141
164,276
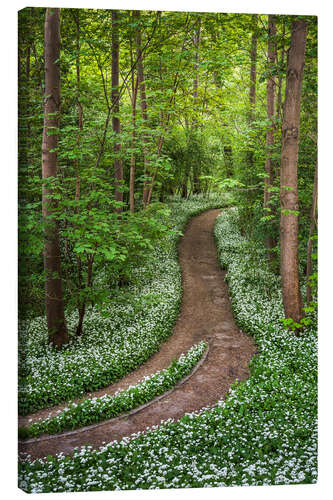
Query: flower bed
x,y
141,316
94,410
263,433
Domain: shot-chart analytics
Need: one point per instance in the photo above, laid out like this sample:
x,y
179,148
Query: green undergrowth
x,y
263,433
102,408
116,340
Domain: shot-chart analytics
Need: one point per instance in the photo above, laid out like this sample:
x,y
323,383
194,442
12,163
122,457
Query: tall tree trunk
x,y
81,301
269,179
252,90
313,224
292,300
118,167
279,93
143,104
52,263
78,104
197,39
228,160
132,166
253,70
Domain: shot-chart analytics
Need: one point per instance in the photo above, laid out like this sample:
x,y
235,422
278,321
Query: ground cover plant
x,y
116,340
265,431
101,408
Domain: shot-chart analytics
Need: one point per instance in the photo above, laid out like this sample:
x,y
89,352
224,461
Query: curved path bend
x,y
205,315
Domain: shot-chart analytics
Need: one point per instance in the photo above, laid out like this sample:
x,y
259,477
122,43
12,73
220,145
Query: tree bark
x,y
228,160
118,167
252,90
132,166
81,305
313,224
143,104
253,71
292,300
269,179
197,39
78,104
279,93
52,261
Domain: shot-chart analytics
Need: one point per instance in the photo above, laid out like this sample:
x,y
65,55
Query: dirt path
x,y
205,315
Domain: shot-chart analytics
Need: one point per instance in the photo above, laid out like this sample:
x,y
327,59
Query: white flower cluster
x,y
264,433
139,318
108,406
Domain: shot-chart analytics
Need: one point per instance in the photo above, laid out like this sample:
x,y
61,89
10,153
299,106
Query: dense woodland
x,y
124,115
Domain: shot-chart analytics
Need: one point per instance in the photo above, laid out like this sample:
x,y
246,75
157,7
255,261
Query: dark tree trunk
x,y
52,263
118,167
228,160
313,225
270,241
292,300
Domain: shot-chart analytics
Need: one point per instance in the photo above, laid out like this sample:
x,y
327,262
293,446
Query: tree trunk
x,y
143,103
118,167
78,104
81,301
195,169
269,179
228,160
52,264
252,91
292,300
132,166
279,93
253,71
313,224
197,39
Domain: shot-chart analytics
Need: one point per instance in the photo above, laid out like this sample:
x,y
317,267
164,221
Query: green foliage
x,y
105,407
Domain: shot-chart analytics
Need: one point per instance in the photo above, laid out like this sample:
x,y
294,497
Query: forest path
x,y
205,315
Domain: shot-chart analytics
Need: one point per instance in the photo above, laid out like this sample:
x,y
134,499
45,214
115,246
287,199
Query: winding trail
x,y
205,315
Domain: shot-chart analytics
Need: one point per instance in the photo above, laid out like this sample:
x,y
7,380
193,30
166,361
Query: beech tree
x,y
269,179
118,167
292,299
52,264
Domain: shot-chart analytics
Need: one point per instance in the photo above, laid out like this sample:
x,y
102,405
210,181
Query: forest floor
x,y
206,314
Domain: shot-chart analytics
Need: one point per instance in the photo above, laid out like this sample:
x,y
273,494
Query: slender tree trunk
x,y
118,167
52,263
81,301
252,91
253,70
292,300
143,105
269,180
228,160
132,167
313,224
78,104
197,39
279,93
